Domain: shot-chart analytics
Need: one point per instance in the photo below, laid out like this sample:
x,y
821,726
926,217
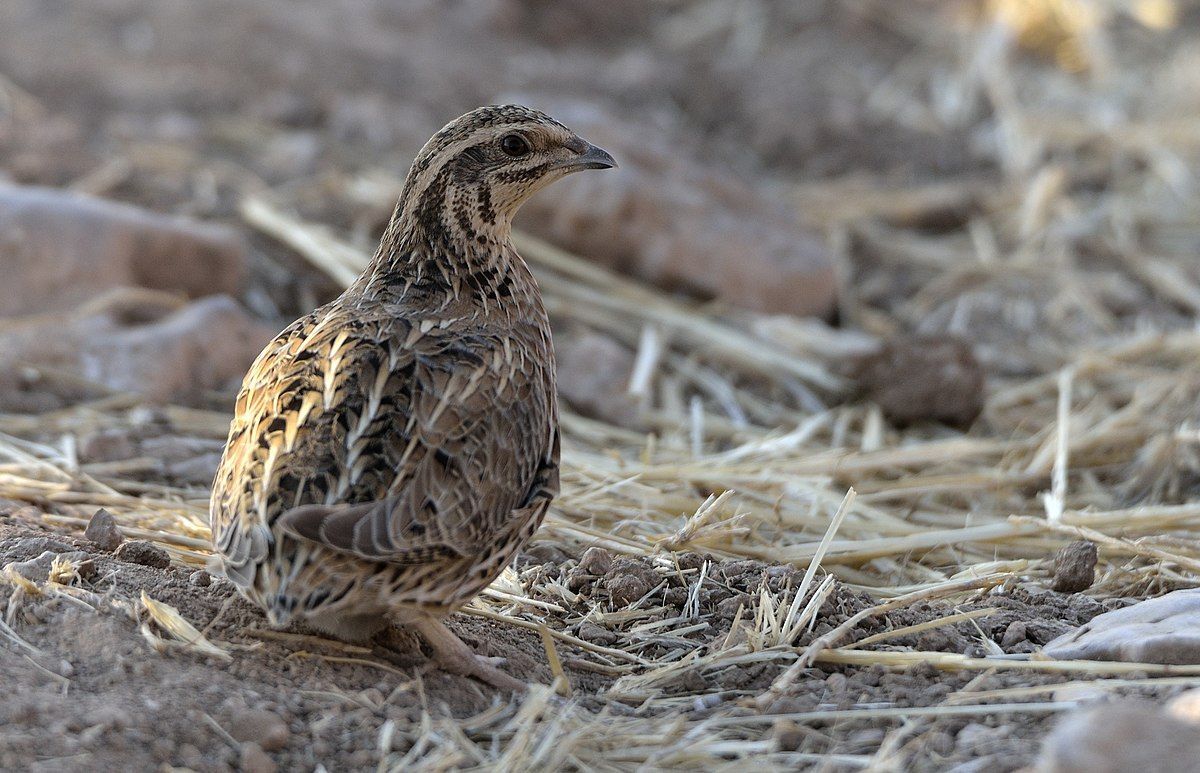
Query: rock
x,y
596,561
144,553
137,341
200,578
66,248
539,552
1125,737
924,378
1163,630
35,545
255,760
102,529
106,445
628,580
595,634
1016,632
260,727
789,735
682,225
1075,567
727,608
593,376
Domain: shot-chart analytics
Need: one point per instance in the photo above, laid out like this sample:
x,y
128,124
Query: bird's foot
x,y
451,654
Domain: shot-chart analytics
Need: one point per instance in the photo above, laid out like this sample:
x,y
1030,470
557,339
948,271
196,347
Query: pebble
x,y
595,634
1075,567
260,727
102,529
255,760
596,561
144,553
1016,632
789,735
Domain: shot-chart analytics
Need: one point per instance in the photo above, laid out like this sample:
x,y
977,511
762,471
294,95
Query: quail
x,y
391,451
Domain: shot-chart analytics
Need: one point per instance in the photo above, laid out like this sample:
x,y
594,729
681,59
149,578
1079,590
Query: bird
x,y
391,451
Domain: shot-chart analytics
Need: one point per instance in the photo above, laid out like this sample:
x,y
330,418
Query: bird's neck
x,y
458,226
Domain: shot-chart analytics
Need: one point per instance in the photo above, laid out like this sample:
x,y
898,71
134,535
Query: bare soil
x,y
96,696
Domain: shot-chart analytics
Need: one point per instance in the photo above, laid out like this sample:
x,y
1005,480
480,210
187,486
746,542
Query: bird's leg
x,y
453,655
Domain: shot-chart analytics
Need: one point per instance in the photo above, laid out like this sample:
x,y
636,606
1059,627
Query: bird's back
x,y
445,420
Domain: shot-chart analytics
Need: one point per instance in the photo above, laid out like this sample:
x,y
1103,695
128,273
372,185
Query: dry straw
x,y
750,443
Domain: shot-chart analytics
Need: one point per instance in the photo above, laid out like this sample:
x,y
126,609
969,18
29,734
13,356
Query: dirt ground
x,y
94,695
188,109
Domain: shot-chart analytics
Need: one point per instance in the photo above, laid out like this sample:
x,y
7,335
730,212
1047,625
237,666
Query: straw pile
x,y
1071,267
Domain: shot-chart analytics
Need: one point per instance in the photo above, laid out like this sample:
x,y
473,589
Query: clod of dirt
x,y
260,727
1075,567
61,249
628,580
144,553
1163,630
255,760
102,529
1118,738
38,569
597,561
200,578
924,378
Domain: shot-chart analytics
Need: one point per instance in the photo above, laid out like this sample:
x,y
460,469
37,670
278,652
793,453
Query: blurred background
x,y
919,204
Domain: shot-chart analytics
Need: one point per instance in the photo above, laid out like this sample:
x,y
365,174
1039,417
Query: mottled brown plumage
x,y
392,450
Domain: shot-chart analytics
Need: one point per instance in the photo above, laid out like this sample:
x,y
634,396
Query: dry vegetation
x,y
1071,267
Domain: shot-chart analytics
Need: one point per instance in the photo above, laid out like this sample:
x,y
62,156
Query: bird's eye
x,y
514,145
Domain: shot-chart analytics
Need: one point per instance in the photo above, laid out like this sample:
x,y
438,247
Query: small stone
x,y
102,529
200,578
144,553
1075,567
543,553
789,735
262,728
596,561
255,760
106,445
727,608
1016,632
595,634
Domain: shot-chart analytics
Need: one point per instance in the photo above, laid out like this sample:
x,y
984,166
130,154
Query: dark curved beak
x,y
590,157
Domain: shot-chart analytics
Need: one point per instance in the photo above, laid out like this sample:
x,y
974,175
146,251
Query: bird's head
x,y
473,175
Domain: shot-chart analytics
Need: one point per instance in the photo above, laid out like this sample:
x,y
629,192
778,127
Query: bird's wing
x,y
391,440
